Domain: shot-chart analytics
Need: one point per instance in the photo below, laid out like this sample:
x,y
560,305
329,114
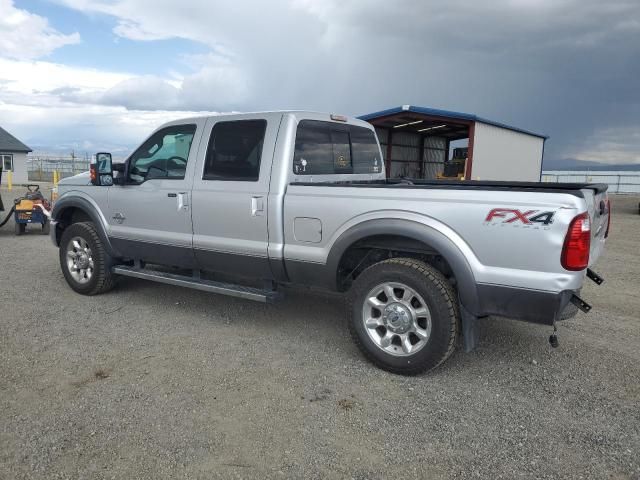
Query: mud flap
x,y
470,330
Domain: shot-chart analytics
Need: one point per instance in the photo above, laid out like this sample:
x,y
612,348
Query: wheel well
x,y
374,249
68,217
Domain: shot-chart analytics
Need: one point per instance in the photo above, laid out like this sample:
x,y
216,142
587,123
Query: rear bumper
x,y
534,306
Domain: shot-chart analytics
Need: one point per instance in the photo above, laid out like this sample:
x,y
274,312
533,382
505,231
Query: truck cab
x,y
198,192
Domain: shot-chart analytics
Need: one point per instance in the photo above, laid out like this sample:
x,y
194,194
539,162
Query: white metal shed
x,y
416,143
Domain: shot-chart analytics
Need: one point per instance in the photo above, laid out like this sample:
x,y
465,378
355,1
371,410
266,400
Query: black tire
x,y
21,228
441,301
102,279
46,227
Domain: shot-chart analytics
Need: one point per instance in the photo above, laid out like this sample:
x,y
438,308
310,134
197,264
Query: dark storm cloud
x,y
566,68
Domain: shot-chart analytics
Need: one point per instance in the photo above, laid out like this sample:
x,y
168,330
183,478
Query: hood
x,y
80,179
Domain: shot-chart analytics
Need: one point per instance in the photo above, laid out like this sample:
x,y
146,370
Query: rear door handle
x,y
257,206
183,201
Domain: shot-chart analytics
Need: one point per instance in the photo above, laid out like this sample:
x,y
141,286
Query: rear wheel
x,y
404,316
21,228
46,227
85,263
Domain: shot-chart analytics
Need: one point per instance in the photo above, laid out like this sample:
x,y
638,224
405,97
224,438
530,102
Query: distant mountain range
x,y
574,164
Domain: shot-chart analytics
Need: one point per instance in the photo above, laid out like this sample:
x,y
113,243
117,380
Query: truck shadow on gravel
x,y
311,320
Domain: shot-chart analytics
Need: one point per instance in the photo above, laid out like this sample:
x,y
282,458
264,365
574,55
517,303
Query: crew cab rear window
x,y
234,151
327,148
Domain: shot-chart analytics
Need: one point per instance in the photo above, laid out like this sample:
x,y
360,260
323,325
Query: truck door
x,y
230,195
150,216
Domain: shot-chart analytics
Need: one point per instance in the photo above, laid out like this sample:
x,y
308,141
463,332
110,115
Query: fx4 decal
x,y
513,216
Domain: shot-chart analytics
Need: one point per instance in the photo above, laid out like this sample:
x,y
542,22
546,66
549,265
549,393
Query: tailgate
x,y
598,208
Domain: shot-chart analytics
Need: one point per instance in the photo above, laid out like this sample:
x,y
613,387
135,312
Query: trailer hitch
x,y
595,277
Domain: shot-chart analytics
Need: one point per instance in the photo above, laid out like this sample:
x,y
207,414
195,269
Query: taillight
x,y
575,251
606,233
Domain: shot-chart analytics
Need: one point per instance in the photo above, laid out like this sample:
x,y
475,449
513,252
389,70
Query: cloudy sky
x,y
91,75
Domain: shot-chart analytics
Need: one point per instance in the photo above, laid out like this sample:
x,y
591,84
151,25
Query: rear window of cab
x,y
327,148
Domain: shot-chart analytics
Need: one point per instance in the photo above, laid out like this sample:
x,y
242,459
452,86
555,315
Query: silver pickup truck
x,y
245,204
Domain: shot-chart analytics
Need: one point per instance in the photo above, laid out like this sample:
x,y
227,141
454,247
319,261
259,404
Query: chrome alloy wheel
x,y
80,260
396,318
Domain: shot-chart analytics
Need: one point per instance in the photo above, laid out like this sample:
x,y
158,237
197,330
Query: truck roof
x,y
300,113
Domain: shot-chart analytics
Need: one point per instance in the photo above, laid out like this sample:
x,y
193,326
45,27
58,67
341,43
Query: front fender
x,y
84,203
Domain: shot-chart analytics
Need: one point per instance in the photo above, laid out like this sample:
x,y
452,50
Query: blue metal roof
x,y
445,113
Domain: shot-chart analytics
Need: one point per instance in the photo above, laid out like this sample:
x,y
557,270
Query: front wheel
x,y
404,316
85,263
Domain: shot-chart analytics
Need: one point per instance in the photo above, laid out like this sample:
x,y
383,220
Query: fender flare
x,y
87,207
466,283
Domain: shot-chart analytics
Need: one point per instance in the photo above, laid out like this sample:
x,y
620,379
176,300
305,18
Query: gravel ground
x,y
152,381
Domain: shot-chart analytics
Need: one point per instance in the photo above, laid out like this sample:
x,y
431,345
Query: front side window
x,y
234,151
163,156
327,148
7,162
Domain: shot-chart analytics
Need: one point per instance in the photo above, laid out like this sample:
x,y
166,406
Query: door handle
x,y
257,206
183,201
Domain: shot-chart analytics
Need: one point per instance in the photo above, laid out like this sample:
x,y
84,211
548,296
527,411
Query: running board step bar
x,y
229,289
